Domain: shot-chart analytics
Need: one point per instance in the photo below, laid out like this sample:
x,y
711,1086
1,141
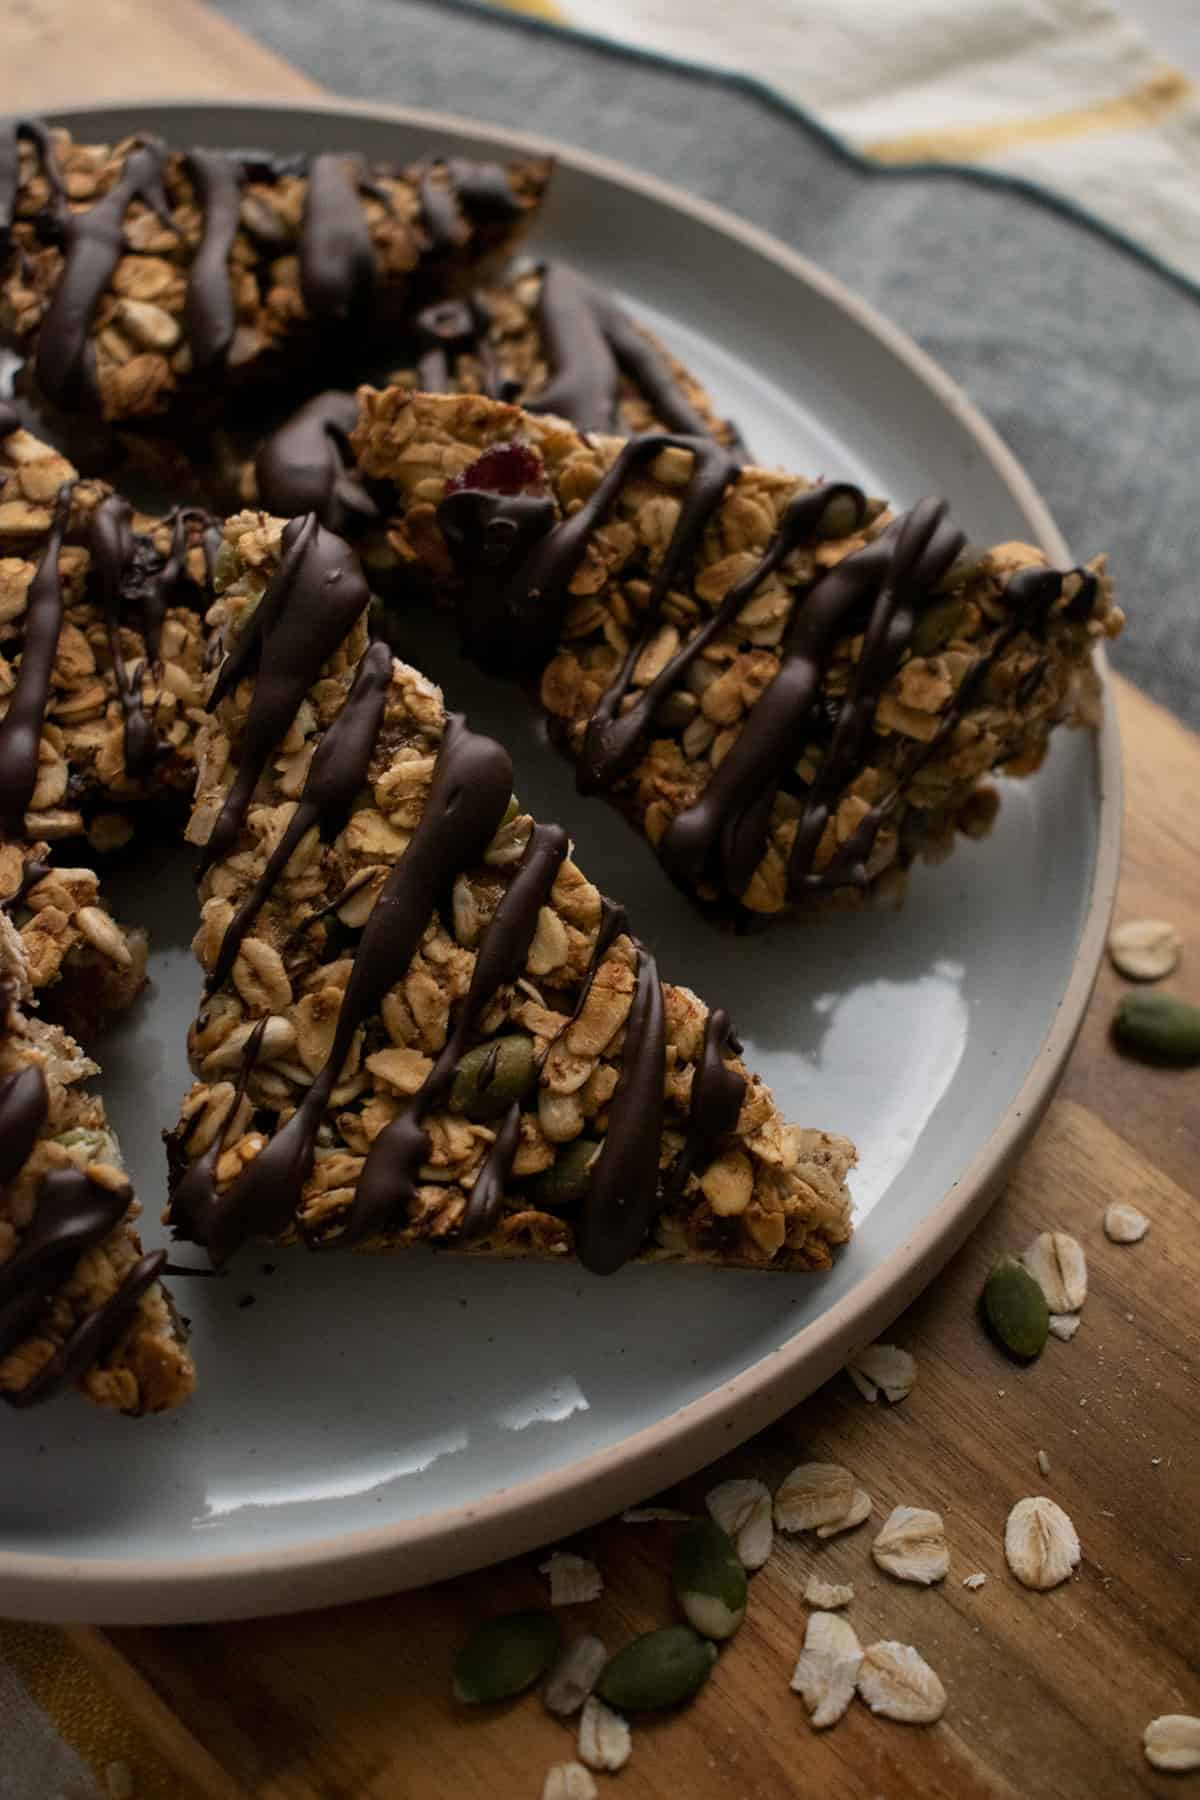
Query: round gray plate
x,y
365,1425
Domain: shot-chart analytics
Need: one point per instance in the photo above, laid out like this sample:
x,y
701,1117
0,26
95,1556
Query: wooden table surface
x,y
1049,1693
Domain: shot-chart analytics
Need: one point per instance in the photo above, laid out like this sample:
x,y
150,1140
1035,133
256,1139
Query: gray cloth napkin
x,y
1086,360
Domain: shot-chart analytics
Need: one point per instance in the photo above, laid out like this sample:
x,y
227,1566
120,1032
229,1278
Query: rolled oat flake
x,y
1145,949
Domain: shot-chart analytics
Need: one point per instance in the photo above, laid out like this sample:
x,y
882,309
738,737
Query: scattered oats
x,y
813,1494
825,1675
1172,1743
1124,1224
569,1781
1043,1462
898,1683
1040,1543
1064,1325
1154,1461
1000,1393
1056,1261
574,1675
883,1369
651,1515
826,1594
118,1781
573,1579
975,1581
743,1511
912,1545
1145,949
858,1514
604,1740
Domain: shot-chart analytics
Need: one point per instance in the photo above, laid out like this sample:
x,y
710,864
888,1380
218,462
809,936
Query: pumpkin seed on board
x,y
709,1580
1159,1026
1015,1308
505,1656
660,1668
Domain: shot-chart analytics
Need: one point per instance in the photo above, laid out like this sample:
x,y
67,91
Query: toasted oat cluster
x,y
422,1023
143,282
80,1305
82,965
790,691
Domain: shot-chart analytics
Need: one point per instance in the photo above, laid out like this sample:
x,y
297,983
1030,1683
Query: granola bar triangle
x,y
143,282
421,1022
80,1305
789,690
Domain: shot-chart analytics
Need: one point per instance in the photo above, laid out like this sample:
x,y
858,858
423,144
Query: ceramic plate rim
x,y
359,1563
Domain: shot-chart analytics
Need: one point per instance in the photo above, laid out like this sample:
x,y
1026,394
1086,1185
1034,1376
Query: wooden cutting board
x,y
1049,1693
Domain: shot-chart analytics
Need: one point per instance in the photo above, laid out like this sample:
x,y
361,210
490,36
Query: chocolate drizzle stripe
x,y
111,546
21,727
12,132
590,343
337,262
24,1104
715,1106
623,1179
208,314
337,770
93,239
306,612
612,738
306,465
93,1337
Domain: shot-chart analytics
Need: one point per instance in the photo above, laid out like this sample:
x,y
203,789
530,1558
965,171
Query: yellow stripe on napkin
x,y
89,1718
1141,106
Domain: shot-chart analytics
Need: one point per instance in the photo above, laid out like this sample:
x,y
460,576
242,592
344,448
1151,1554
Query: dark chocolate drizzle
x,y
451,328
21,727
208,315
128,568
306,612
33,872
337,771
590,342
24,1103
446,188
337,263
715,1106
10,419
93,241
306,465
32,131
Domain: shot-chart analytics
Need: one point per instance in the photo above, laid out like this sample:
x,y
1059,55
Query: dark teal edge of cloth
x,y
762,91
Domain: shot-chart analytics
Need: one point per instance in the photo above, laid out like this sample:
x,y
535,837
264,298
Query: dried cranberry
x,y
502,469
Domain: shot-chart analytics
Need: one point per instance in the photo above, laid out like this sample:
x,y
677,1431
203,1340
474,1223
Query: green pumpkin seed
x,y
566,1180
492,1075
936,626
1159,1026
841,517
969,561
505,1656
660,1668
1016,1309
226,566
709,1580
